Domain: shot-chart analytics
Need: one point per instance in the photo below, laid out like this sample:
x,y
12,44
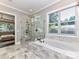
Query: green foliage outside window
x,y
6,26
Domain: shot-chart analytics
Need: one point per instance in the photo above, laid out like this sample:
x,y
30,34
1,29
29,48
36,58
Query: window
x,y
53,22
5,27
62,22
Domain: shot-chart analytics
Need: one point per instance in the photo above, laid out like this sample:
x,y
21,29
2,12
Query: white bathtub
x,y
59,52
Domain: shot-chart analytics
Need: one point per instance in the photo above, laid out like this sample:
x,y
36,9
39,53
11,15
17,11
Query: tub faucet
x,y
41,40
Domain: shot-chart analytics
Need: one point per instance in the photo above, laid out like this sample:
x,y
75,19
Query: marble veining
x,y
30,51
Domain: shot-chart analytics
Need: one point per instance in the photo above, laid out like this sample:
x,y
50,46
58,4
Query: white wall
x,y
20,19
58,5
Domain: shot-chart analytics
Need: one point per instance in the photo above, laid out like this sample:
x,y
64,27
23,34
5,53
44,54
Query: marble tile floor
x,y
29,51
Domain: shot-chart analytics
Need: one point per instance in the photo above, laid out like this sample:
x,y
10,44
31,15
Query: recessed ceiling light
x,y
10,0
31,10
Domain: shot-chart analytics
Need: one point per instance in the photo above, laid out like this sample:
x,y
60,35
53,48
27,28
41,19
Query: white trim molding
x,y
6,5
14,8
46,6
67,6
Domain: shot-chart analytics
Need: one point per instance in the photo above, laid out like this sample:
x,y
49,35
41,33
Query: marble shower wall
x,y
36,27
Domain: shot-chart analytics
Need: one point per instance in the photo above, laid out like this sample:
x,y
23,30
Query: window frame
x,y
60,9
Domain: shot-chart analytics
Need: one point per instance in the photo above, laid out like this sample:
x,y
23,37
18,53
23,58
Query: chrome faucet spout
x,y
41,40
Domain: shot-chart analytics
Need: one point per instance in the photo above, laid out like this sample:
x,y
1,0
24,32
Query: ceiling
x,y
28,6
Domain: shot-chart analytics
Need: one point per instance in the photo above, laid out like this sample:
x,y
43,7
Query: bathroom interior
x,y
39,29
